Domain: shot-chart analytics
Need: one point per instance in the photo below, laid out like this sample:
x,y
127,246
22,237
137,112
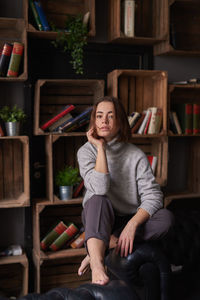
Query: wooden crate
x,y
60,272
56,12
14,276
180,94
158,148
153,30
46,215
183,30
14,30
53,95
140,89
14,172
60,151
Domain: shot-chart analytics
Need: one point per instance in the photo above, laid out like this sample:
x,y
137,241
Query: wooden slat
x,y
17,168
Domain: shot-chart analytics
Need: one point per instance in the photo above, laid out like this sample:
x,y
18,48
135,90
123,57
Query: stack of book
x,y
63,236
10,59
147,122
185,118
64,121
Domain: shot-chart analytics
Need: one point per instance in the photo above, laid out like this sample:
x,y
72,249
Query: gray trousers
x,y
100,221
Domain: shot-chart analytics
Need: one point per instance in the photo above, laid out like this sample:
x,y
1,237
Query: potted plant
x,y
73,38
65,179
12,116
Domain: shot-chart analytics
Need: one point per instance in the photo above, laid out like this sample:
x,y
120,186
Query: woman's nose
x,y
105,119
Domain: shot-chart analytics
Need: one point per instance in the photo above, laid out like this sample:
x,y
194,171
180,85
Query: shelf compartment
x,y
14,172
56,12
14,30
140,89
46,215
60,272
158,148
60,151
178,95
14,276
53,95
184,27
149,32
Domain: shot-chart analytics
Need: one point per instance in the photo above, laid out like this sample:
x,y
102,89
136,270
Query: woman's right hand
x,y
97,142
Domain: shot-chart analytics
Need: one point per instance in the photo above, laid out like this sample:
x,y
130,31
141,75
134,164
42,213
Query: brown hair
x,y
124,134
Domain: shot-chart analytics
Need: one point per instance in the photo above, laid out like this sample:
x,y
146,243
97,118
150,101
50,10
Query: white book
x,y
132,119
152,124
142,126
129,17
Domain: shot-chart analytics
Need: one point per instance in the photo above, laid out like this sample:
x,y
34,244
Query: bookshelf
x,y
183,29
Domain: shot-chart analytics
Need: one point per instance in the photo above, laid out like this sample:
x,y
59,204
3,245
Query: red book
x,y
1,131
153,162
15,59
57,117
196,118
147,125
78,189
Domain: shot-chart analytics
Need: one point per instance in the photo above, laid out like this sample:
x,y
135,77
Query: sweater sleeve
x,y
151,197
95,182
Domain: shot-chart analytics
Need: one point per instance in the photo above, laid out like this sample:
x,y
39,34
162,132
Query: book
x,y
196,118
176,122
144,122
147,123
78,189
76,119
66,110
78,241
15,59
153,162
158,120
1,131
69,233
188,118
172,125
5,59
152,124
132,119
128,17
76,126
59,122
52,235
35,15
138,123
42,16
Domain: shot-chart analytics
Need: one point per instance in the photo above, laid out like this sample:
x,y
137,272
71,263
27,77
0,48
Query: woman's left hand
x,y
126,239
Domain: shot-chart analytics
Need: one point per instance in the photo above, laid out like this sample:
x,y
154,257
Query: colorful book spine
x,y
196,118
52,235
69,233
76,119
188,118
153,162
138,124
15,59
67,109
42,16
36,15
151,129
60,122
5,58
79,241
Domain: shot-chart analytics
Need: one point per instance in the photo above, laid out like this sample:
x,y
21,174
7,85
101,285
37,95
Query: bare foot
x,y
85,265
99,275
113,241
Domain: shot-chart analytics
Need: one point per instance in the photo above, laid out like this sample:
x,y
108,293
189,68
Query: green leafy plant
x,y
14,114
73,39
67,177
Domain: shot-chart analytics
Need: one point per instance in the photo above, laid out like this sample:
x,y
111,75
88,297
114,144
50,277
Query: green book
x,y
15,59
52,235
35,14
69,233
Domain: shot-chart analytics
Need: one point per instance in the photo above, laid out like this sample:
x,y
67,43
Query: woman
x,y
123,203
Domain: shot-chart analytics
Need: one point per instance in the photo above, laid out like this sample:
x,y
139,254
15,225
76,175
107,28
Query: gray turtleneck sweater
x,y
130,183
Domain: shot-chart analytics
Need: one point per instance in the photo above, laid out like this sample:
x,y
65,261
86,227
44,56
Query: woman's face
x,y
105,122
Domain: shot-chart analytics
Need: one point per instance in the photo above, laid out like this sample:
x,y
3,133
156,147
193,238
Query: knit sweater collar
x,y
114,145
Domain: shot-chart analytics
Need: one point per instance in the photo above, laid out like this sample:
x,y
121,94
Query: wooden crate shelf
x,y
53,95
59,272
56,12
45,215
14,276
151,31
14,30
139,90
14,172
183,29
158,148
178,95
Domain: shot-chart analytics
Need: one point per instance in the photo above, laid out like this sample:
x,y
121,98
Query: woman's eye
x,y
110,117
98,116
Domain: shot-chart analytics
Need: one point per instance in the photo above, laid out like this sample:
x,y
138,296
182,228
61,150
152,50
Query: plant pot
x,y
65,192
12,128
